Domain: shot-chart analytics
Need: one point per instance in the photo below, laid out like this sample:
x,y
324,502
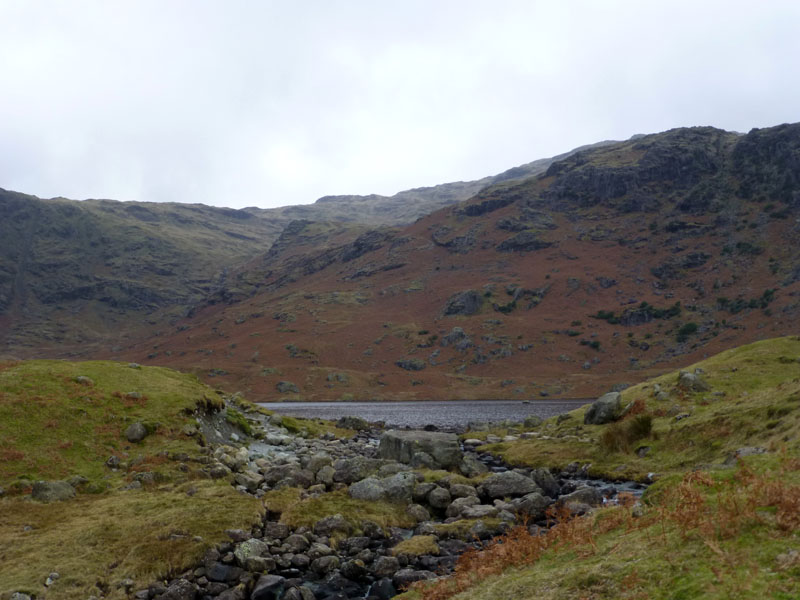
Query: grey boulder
x,y
604,410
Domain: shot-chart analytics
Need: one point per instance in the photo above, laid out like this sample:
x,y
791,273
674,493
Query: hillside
x,y
620,262
78,277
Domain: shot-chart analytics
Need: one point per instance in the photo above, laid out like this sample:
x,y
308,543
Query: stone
x,y
249,479
383,589
319,460
468,302
402,445
398,488
385,566
259,564
439,498
180,590
405,577
507,484
83,380
459,504
354,545
325,475
237,593
462,490
350,470
584,495
221,572
325,564
250,548
472,467
354,570
479,511
353,422
692,382
286,387
411,364
546,482
532,421
418,512
297,543
318,550
52,491
531,506
370,489
136,432
275,530
605,409
332,524
268,587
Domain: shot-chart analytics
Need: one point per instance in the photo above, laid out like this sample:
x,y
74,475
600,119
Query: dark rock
x,y
287,387
545,480
405,577
385,566
275,530
507,484
439,498
532,506
402,445
237,593
136,432
383,589
352,422
524,241
354,545
350,470
179,590
332,524
355,570
52,491
325,564
604,410
223,573
268,587
464,303
411,364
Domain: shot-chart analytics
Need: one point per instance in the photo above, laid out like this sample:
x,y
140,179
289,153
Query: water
x,y
445,415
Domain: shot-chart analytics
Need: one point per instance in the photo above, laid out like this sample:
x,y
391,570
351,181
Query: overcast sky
x,y
262,103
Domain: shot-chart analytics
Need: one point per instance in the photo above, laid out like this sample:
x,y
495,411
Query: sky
x,y
264,103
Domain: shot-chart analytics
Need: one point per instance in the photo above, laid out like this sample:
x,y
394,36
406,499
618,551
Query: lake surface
x,y
449,415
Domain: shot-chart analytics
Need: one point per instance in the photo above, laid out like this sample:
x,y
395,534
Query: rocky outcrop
x,y
464,303
52,491
605,409
402,446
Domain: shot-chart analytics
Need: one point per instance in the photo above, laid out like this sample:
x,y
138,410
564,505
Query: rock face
x,y
604,410
52,491
401,446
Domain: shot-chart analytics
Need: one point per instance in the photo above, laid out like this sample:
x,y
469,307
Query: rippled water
x,y
454,414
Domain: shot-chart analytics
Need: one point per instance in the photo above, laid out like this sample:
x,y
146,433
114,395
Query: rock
x,y
478,511
352,422
250,548
402,445
319,460
507,484
354,545
332,524
405,577
370,488
385,566
459,504
355,570
418,513
350,470
287,387
439,498
604,410
584,495
221,572
275,530
297,543
532,506
20,596
249,479
471,467
325,564
692,382
383,589
411,364
465,303
398,488
318,550
52,491
462,490
268,587
325,475
180,590
136,432
545,480
83,380
237,593
423,460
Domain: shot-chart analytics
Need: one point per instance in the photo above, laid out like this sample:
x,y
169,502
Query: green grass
x,y
52,427
754,401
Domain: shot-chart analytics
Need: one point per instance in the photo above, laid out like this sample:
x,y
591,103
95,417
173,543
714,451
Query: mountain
x,y
76,275
602,267
617,263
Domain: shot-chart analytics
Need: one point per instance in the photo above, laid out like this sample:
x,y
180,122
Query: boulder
x,y
325,564
545,480
583,495
350,470
136,432
467,303
370,488
439,497
508,484
352,422
398,488
402,445
385,566
52,491
604,410
459,504
251,548
179,590
405,577
268,587
531,506
479,511
471,467
332,524
692,382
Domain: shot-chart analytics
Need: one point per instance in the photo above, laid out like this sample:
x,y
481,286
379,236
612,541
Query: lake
x,y
448,415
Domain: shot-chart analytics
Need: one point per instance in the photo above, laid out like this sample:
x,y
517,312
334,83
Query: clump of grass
x,y
417,545
307,512
619,437
234,417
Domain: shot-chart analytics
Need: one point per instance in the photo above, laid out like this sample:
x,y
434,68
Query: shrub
x,y
619,437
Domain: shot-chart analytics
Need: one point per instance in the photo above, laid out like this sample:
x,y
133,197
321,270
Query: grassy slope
x,y
704,531
52,427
